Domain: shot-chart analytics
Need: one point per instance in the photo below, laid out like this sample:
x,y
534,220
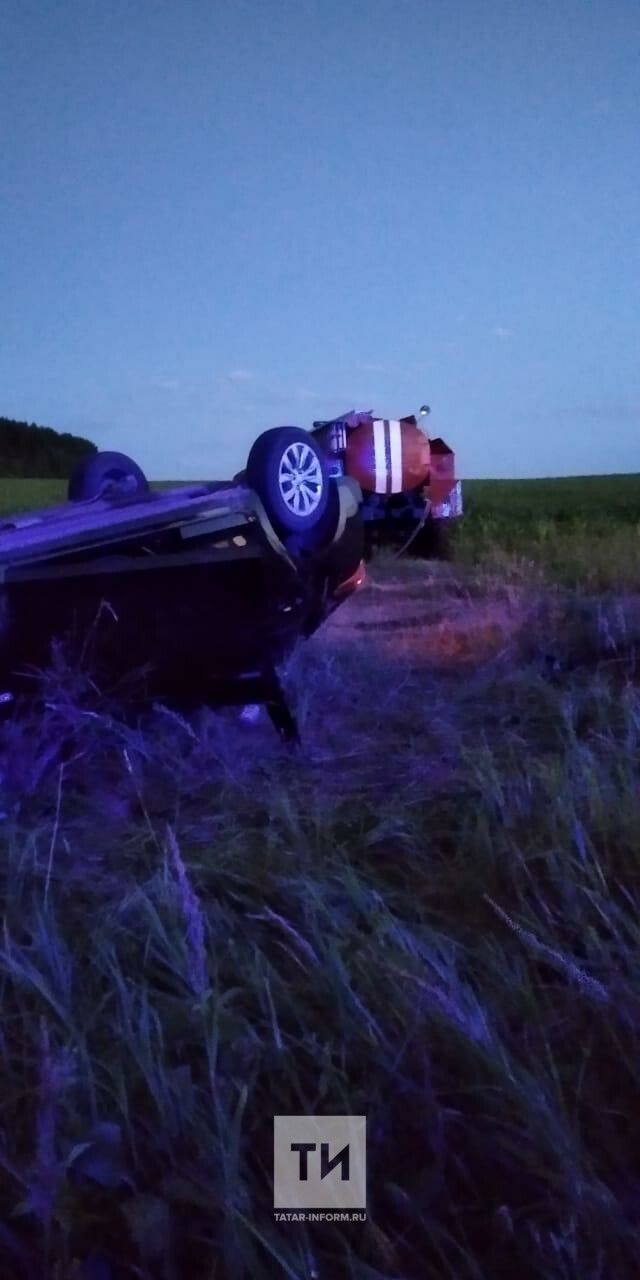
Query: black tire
x,y
285,464
103,473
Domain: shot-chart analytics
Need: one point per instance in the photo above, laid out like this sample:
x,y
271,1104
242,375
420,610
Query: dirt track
x,y
431,619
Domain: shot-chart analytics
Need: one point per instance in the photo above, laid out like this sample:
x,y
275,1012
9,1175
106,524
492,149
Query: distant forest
x,y
29,450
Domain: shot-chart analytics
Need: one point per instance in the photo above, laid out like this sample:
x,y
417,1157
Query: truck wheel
x,y
441,540
370,541
103,473
288,471
433,541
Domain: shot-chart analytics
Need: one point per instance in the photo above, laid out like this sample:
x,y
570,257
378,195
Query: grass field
x,y
21,495
430,916
563,498
578,530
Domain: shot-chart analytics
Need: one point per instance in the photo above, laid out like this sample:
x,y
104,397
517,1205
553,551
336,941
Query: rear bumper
x,y
407,508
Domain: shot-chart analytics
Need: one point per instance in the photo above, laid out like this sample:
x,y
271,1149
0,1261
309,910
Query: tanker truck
x,y
408,480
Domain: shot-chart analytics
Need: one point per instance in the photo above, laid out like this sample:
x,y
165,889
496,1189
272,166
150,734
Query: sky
x,y
219,216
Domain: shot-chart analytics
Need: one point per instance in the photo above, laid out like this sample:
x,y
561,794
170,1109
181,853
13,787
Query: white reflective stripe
x,y
380,461
395,438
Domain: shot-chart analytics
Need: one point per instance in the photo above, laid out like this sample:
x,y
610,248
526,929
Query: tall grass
x,y
581,531
430,916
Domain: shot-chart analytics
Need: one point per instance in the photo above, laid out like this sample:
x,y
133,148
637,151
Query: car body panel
x,y
191,588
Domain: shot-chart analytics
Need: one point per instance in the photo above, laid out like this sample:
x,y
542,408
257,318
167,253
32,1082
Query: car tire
x,y
103,473
289,473
318,540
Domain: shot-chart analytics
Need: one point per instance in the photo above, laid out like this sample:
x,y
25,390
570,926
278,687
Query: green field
x,y
518,504
582,530
562,498
22,495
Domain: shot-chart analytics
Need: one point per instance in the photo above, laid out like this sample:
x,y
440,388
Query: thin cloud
x,y
620,411
303,395
281,397
501,332
168,384
295,403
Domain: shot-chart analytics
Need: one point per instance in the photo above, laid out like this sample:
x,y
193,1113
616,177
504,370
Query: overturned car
x,y
189,596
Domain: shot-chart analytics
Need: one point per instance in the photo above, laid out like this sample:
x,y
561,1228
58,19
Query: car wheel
x,y
288,471
103,473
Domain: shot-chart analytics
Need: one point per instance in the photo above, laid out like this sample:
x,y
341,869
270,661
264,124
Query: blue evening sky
x,y
221,215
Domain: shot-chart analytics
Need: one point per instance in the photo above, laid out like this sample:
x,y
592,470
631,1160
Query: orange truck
x,y
408,479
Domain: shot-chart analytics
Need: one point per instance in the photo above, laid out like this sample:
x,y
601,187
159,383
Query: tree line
x,y
29,450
